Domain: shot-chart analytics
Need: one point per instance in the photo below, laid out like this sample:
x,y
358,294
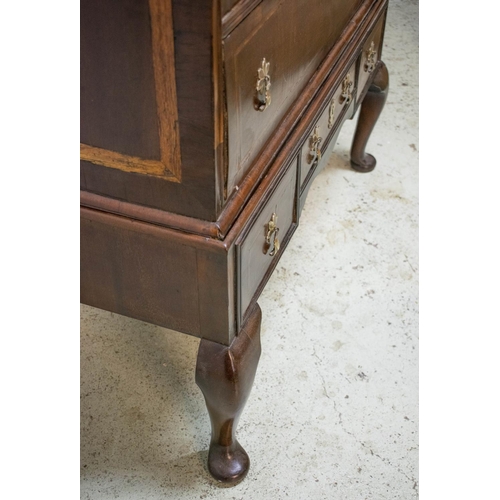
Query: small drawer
x,y
370,55
316,145
262,241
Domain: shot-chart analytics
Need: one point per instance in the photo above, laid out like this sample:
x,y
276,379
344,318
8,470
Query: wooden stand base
x,y
225,375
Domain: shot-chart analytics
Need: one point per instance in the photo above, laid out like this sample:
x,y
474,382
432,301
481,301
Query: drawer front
x,y
370,55
293,38
314,149
262,242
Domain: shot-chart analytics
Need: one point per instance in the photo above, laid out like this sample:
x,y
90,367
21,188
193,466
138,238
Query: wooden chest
x,y
203,124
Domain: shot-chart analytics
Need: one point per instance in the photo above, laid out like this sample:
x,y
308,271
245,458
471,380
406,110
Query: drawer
x,y
278,47
323,130
262,241
370,55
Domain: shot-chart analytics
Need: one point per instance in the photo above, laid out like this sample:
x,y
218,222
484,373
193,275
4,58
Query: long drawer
x,y
275,49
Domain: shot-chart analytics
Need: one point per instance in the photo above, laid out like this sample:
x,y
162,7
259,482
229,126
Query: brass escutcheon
x,y
272,228
346,95
263,87
370,58
314,146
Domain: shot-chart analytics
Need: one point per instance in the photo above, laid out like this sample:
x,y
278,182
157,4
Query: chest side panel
x,y
128,95
147,101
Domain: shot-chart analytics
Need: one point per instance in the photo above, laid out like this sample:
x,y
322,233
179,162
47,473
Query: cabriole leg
x,y
371,107
225,375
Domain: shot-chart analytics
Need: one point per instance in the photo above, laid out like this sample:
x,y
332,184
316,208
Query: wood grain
x,y
203,132
198,91
162,31
293,129
152,215
118,109
289,137
169,166
375,37
294,37
371,107
225,376
253,254
165,277
126,163
234,13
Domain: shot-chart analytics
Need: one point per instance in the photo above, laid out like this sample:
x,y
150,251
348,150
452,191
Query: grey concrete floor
x,y
334,409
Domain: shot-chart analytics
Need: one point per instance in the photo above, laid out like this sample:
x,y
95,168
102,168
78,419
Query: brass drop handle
x,y
263,87
346,95
314,146
272,228
371,55
331,114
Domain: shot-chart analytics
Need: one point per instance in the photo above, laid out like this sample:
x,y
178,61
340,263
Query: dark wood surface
x,y
294,37
225,376
151,215
294,127
325,131
128,92
185,250
196,194
365,72
255,255
199,189
165,277
242,281
234,11
228,5
372,106
118,109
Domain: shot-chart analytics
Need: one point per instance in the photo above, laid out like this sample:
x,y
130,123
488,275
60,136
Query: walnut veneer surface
x,y
203,125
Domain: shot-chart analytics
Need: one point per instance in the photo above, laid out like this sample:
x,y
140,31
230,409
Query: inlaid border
x,y
169,165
